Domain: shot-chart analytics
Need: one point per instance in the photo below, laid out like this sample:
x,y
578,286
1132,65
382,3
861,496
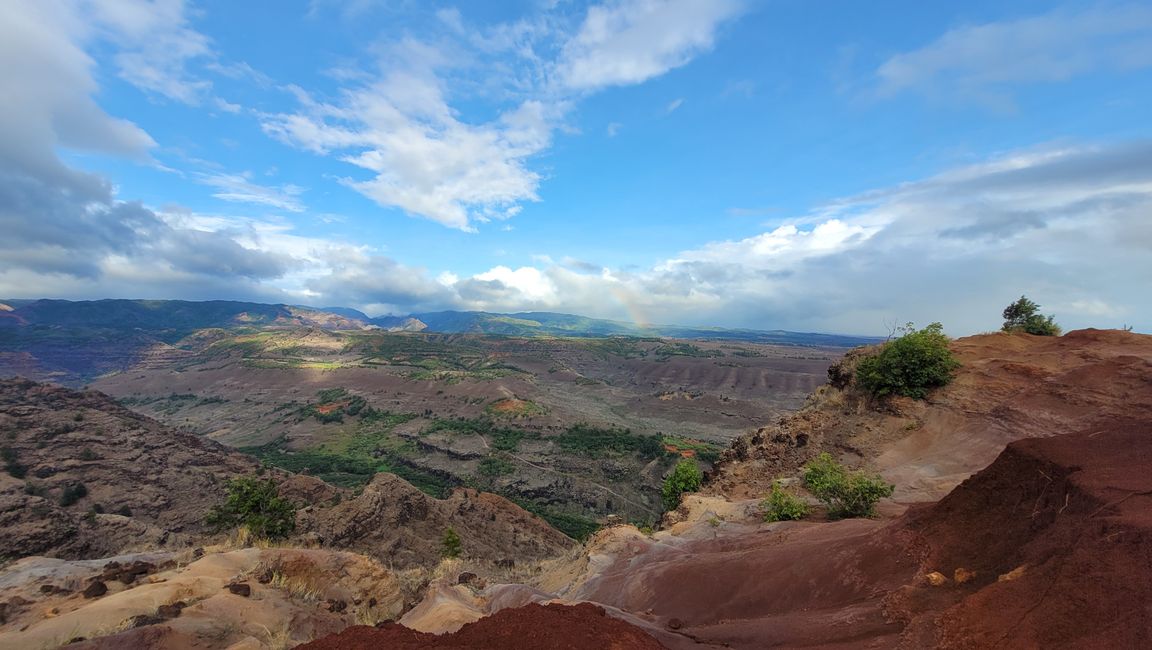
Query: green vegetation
x,y
685,477
170,404
783,505
1024,316
513,408
503,438
353,460
705,451
493,466
911,365
597,441
577,527
256,505
846,494
332,404
664,352
72,493
12,463
451,547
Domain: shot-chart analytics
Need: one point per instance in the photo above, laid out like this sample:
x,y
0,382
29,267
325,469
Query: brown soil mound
x,y
532,627
1057,534
1009,386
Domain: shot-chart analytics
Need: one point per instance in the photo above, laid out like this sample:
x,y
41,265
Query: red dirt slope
x,y
1059,534
532,627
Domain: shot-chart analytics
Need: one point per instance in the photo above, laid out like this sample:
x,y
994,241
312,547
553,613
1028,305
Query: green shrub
x,y
685,477
1024,316
72,493
847,494
255,504
911,365
12,463
493,466
783,505
451,547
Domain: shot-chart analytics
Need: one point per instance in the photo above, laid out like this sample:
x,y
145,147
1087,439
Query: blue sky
x,y
820,165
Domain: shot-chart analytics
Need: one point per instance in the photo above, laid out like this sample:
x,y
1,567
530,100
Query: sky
x,y
811,165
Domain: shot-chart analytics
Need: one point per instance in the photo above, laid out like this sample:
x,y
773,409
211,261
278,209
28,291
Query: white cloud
x,y
239,188
980,63
402,124
673,105
46,78
626,43
1067,226
613,129
156,45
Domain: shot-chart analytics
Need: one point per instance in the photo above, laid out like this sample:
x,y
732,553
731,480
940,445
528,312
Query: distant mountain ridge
x,y
539,323
171,319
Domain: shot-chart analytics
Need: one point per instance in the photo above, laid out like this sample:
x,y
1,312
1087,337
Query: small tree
x,y
686,477
255,504
911,365
451,545
1024,316
783,505
847,494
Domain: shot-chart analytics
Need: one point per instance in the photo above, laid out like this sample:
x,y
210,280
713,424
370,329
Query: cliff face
x,y
1009,387
1039,549
394,521
85,477
1025,521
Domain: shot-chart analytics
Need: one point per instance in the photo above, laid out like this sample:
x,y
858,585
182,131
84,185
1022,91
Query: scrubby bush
x,y
845,493
783,505
911,365
451,546
256,505
72,493
1024,316
685,477
12,463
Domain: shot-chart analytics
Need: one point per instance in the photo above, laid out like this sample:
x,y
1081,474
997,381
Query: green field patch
x,y
667,350
577,527
511,407
600,441
351,460
705,451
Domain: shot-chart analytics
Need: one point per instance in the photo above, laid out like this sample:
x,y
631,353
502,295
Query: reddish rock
x,y
532,627
95,589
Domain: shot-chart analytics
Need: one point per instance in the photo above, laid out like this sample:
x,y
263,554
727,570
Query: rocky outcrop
x,y
248,598
393,520
1009,386
85,477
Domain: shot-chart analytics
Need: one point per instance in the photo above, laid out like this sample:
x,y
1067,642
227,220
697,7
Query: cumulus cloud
x,y
625,43
424,160
65,232
401,125
1065,225
979,63
156,45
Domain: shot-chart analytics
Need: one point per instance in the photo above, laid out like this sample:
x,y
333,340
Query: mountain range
x,y
173,319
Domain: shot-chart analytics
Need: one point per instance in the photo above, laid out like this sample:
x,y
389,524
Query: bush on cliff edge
x,y
911,365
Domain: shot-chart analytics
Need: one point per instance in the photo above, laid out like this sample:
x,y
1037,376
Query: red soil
x,y
532,627
1075,512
